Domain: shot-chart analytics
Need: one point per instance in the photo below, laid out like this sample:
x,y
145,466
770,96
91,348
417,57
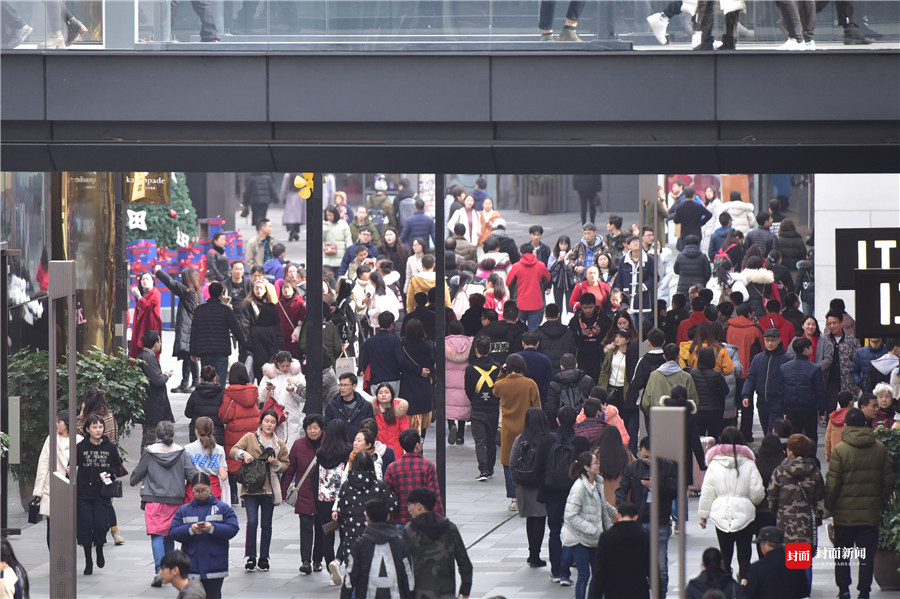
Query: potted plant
x,y
539,192
887,556
29,378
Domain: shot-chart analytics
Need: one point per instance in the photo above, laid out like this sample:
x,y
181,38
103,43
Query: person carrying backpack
x,y
556,452
522,465
570,387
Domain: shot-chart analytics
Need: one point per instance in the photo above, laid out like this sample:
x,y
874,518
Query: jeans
x,y
743,539
555,512
584,558
484,431
799,18
160,545
510,487
310,539
204,10
220,363
664,533
805,422
532,318
255,504
866,539
547,9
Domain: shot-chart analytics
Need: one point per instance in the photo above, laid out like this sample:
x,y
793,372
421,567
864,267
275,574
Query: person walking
x,y
262,327
409,472
216,260
98,466
205,401
263,444
517,393
766,379
622,567
712,578
438,547
164,468
770,577
336,238
587,515
156,405
530,277
188,293
259,192
212,328
147,316
416,378
208,456
204,528
522,458
794,492
457,347
349,406
711,393
480,379
332,459
857,487
303,472
390,416
731,490
804,391
60,464
239,414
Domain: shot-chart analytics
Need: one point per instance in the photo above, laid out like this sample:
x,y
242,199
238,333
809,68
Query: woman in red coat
x,y
291,314
390,414
146,312
303,452
239,413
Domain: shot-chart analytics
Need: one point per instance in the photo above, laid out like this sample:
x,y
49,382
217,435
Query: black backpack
x,y
522,470
571,396
559,458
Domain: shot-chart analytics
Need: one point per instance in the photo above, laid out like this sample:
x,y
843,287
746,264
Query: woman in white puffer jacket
x,y
732,488
284,381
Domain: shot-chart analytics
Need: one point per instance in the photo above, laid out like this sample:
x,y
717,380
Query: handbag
x,y
330,526
345,364
329,249
34,511
112,490
294,488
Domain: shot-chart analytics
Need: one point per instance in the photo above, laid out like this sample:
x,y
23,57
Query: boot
x,y
727,42
118,539
569,34
101,561
74,30
731,23
88,561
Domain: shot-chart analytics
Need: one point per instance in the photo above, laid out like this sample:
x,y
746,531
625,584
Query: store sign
x,y
863,250
878,302
146,188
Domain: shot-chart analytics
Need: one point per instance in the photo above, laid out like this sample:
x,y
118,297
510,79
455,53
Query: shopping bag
x,y
345,364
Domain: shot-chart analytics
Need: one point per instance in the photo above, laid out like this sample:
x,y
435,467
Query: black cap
x,y
589,227
772,332
624,333
770,534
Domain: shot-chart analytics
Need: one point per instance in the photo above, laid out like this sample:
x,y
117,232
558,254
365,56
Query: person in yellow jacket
x,y
704,337
424,281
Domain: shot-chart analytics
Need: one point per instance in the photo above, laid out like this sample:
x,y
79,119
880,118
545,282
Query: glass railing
x,y
432,25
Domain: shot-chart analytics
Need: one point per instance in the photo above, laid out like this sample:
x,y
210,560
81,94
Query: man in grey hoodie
x,y
663,379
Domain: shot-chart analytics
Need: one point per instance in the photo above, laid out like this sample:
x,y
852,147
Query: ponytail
x,y
583,461
204,429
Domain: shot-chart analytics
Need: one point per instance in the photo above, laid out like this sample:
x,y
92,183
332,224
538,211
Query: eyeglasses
x,y
201,490
345,385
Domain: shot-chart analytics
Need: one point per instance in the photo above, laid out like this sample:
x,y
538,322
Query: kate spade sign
x,y
146,188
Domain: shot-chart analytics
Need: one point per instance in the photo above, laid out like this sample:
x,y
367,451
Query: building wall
x,y
848,201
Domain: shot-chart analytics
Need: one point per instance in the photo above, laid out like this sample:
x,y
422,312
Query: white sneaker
x,y
513,506
696,38
791,45
659,23
335,569
20,35
811,45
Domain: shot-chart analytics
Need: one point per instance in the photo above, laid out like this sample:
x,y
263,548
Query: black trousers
x,y
799,18
204,10
805,422
323,508
311,538
743,539
844,11
213,587
587,201
534,528
866,539
710,424
548,7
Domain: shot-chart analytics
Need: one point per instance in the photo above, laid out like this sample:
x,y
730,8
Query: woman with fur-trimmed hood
x,y
391,417
760,283
288,389
732,488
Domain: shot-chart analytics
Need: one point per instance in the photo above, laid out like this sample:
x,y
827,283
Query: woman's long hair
x,y
705,336
399,249
612,453
769,455
378,282
190,278
536,426
562,239
753,252
95,402
334,441
465,279
612,265
584,460
734,237
390,417
732,436
723,273
712,565
613,329
204,428
497,285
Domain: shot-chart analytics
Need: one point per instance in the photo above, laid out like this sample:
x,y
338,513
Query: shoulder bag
x,y
291,497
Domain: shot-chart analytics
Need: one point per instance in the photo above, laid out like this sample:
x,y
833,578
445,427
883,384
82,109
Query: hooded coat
x,y
439,550
289,393
859,479
164,470
555,340
760,288
732,488
574,378
239,414
361,581
794,508
205,400
834,430
208,551
743,333
692,267
742,217
529,275
359,488
456,348
622,567
660,384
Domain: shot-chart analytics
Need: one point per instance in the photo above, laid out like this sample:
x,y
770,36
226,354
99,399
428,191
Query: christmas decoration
x,y
165,222
182,239
137,219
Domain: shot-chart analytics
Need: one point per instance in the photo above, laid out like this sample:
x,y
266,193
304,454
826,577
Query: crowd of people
x,y
564,388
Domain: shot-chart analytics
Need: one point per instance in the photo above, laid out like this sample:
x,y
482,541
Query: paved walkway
x,y
495,537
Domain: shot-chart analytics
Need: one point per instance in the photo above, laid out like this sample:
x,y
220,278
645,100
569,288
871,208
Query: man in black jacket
x,y
691,215
348,405
156,404
622,567
506,334
588,325
770,578
555,338
635,488
383,353
507,243
570,387
210,340
480,377
368,574
691,266
651,361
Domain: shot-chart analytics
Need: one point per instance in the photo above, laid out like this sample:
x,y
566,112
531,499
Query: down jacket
x,y
205,400
208,551
742,217
457,349
692,267
389,434
239,413
859,478
587,514
732,488
289,392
